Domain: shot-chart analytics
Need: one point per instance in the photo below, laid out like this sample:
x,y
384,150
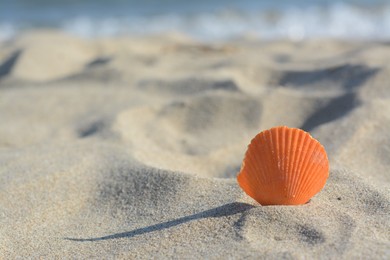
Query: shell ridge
x,y
281,158
310,182
269,161
301,140
307,166
305,162
292,162
243,175
316,170
252,169
255,169
255,166
295,164
285,151
278,157
312,148
272,156
316,165
318,178
281,150
280,181
280,174
258,158
288,150
283,166
276,164
262,155
244,184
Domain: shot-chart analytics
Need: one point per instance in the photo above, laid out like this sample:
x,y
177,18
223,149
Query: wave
x,y
338,20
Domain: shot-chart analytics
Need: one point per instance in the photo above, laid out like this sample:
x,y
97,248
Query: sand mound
x,y
130,147
42,56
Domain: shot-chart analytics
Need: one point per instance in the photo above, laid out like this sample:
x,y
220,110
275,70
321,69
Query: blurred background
x,y
203,19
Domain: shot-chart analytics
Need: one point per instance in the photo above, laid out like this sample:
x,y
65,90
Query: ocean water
x,y
202,19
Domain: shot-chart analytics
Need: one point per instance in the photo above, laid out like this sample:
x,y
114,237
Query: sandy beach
x,y
129,147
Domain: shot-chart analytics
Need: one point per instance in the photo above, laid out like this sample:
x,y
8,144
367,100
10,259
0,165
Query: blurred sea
x,y
202,19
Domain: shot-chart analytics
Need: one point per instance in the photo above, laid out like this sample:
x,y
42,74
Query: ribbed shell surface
x,y
283,166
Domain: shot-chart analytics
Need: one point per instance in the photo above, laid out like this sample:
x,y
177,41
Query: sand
x,y
129,147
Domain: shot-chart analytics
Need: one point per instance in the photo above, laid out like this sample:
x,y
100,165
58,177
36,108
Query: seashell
x,y
283,166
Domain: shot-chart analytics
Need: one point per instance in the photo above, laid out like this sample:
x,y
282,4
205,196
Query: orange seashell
x,y
283,166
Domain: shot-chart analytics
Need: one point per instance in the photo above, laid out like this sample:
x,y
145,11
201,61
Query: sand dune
x,y
129,147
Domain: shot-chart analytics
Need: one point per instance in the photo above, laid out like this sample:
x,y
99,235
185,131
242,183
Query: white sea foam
x,y
7,31
338,20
